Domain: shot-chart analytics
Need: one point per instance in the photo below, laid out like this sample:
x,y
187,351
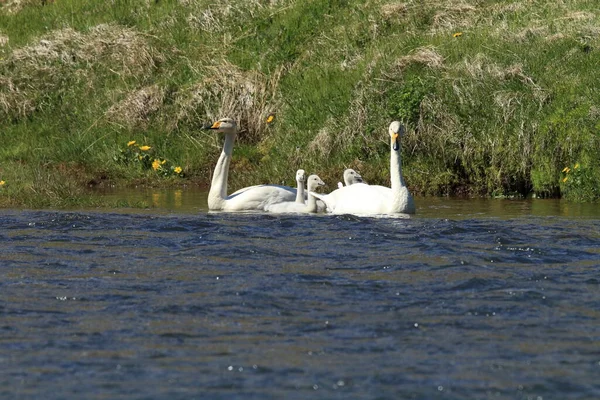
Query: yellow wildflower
x,y
177,170
145,148
270,118
457,34
130,143
163,162
566,178
2,183
155,165
576,166
566,169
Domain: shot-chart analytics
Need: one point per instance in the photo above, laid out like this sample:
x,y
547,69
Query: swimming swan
x,y
294,207
247,199
350,177
363,199
300,178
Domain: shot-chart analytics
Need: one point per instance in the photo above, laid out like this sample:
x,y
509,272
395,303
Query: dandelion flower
x,y
145,148
155,165
270,118
576,166
177,170
130,143
457,34
566,169
566,178
2,183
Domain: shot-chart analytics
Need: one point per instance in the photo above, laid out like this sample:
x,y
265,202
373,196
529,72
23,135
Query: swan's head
x,y
314,182
225,125
300,175
351,177
396,130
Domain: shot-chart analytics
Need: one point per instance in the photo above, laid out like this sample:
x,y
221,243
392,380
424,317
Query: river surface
x,y
468,299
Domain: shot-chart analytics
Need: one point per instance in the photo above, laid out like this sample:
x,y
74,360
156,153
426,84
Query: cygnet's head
x,y
396,131
225,125
300,175
314,182
351,177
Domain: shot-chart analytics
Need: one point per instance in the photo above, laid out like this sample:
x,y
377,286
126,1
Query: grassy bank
x,y
499,97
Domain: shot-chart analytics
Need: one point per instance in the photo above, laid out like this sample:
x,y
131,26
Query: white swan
x,y
300,178
247,199
350,177
294,207
363,199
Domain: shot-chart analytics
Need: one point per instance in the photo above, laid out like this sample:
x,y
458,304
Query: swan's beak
x,y
208,126
396,145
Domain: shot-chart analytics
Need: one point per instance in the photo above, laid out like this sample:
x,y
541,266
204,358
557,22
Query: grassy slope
x,y
498,110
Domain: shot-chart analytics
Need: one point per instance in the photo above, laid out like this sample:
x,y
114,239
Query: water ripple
x,y
265,307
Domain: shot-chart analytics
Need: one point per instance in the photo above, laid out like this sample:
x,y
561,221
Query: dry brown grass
x,y
217,16
323,142
427,56
125,50
14,101
137,108
14,6
481,67
35,70
227,91
451,17
394,10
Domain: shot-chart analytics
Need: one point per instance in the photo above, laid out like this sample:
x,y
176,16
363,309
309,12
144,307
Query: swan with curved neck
x,y
350,177
363,199
253,198
313,183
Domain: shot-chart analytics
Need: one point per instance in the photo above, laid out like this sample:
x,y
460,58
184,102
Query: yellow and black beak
x,y
215,125
395,145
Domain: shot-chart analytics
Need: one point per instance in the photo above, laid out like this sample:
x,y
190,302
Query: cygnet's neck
x,y
311,202
300,192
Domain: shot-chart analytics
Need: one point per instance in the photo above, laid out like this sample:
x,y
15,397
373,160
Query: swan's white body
x,y
295,207
363,199
350,177
253,198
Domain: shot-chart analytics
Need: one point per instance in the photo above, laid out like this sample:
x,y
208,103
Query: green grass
x,y
499,110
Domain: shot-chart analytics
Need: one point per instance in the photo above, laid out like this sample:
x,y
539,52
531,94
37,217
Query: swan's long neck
x,y
399,190
311,203
300,193
218,186
396,168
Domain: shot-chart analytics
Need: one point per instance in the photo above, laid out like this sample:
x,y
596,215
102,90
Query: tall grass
x,y
498,97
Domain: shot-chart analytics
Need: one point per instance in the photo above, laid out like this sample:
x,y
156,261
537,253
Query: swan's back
x,y
259,197
359,198
286,207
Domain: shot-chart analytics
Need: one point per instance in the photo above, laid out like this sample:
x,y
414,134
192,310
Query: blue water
x,y
454,303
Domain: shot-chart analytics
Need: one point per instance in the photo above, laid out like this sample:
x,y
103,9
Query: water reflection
x,y
181,200
193,200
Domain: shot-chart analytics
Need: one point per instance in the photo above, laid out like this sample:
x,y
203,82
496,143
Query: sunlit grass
x,y
497,96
